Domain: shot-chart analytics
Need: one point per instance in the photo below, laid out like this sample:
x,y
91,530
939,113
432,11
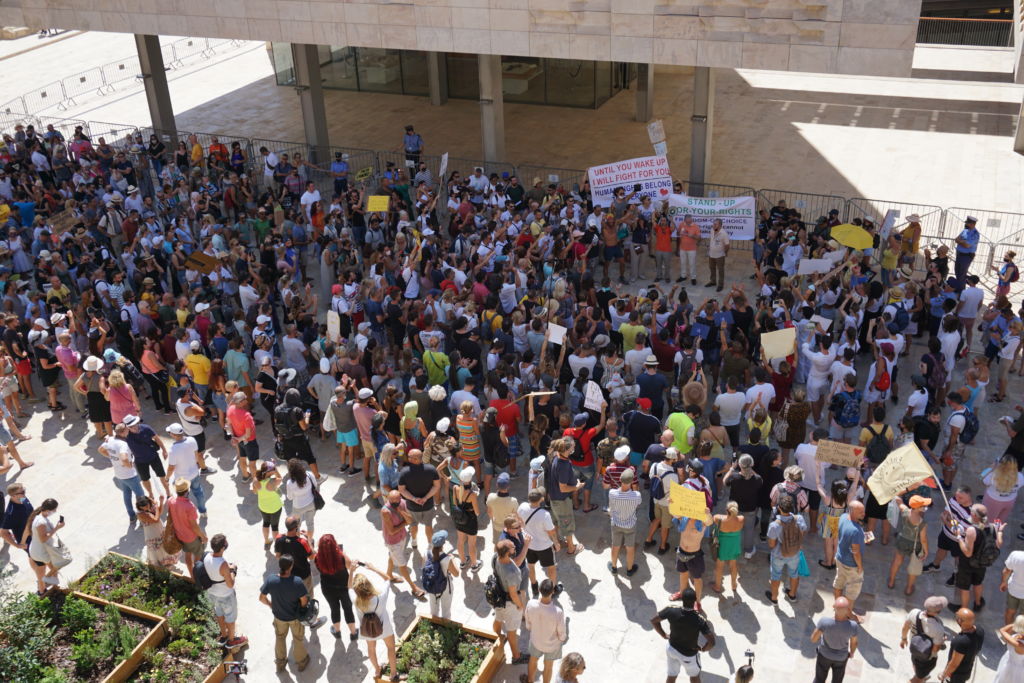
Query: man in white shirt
x,y
1013,585
718,249
637,356
295,351
537,522
270,162
126,477
308,197
820,361
761,393
465,394
183,461
546,623
667,473
814,472
967,310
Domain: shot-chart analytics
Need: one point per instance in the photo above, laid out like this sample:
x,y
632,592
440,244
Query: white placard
x,y
738,214
333,326
556,333
650,173
661,148
656,131
594,399
444,166
887,225
824,322
810,266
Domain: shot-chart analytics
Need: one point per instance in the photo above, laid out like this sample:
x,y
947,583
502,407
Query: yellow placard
x,y
377,202
364,173
686,502
779,344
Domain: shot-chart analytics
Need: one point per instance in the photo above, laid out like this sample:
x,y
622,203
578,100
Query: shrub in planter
x,y
440,651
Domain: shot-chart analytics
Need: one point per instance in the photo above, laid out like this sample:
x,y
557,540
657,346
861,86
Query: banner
x,y
650,173
904,468
839,453
738,214
686,502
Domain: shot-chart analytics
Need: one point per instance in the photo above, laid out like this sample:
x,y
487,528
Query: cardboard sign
x,y
594,399
556,333
377,202
779,344
364,173
333,326
62,222
903,468
656,131
839,453
686,502
824,322
204,263
811,266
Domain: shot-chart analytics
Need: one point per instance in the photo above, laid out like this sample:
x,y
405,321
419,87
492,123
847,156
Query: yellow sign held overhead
x,y
686,502
377,202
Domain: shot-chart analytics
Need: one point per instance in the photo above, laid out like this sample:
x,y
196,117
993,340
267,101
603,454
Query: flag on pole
x,y
905,467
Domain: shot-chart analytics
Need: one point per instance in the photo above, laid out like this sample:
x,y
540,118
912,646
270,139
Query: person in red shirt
x,y
509,416
585,468
243,434
613,473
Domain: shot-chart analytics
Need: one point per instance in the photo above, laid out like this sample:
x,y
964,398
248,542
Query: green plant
x,y
52,674
77,615
182,648
26,634
87,654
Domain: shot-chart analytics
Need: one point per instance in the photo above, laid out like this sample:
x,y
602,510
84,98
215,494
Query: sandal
x,y
589,509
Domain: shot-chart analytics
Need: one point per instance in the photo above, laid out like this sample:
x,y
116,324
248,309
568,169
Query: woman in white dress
x,y
371,600
1011,666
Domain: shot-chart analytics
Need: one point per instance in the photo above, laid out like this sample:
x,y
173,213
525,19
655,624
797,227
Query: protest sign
x,y
700,330
779,344
364,173
556,333
887,225
650,173
444,166
204,263
656,131
903,468
594,399
686,502
839,453
377,202
333,326
63,221
810,266
824,322
738,214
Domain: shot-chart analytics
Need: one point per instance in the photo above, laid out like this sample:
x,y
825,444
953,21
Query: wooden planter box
x,y
155,636
490,664
151,641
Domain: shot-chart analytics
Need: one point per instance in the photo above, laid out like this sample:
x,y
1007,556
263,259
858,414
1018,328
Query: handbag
x,y
370,626
802,569
60,555
170,543
781,428
921,644
715,541
318,500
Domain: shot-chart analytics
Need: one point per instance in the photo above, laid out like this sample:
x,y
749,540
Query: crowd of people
x,y
467,360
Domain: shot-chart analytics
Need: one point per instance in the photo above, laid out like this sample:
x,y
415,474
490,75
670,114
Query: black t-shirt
x,y
641,429
926,433
685,628
490,439
298,548
418,480
142,445
548,409
745,491
285,595
48,375
470,349
969,645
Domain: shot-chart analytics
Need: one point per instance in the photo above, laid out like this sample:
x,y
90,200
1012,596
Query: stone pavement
x,y
608,616
941,140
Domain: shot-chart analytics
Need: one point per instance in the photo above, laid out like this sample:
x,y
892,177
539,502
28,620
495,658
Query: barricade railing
x,y
89,81
877,209
186,48
571,179
811,206
124,70
49,95
65,127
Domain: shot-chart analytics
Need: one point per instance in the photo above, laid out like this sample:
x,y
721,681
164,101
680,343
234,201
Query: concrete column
x,y
154,78
311,99
644,92
492,108
437,77
1018,138
701,124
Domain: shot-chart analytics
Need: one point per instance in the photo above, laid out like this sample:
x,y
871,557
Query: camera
x,y
239,668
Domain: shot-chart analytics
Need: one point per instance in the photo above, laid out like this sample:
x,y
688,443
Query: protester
x,y
924,626
546,622
287,596
837,642
686,625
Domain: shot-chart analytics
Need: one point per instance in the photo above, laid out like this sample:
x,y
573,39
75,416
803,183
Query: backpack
x,y
883,381
494,591
790,538
577,452
901,319
658,488
937,377
433,578
971,426
459,515
921,644
1016,274
202,577
848,411
370,625
986,551
878,447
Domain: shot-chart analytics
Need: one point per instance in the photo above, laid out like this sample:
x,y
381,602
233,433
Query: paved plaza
x,y
609,617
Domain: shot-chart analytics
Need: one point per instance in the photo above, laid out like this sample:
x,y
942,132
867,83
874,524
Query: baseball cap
x,y
622,453
503,480
920,502
200,307
195,346
439,538
580,419
41,322
325,365
443,424
644,403
175,428
260,319
365,393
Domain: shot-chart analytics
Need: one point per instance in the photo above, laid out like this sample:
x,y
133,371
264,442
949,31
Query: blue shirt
x,y
413,142
339,167
937,301
849,533
971,236
27,212
388,475
711,468
561,473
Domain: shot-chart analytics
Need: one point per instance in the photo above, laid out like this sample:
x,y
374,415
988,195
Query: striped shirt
x,y
960,514
622,506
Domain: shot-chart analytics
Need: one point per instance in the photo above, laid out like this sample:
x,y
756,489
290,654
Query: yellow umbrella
x,y
850,235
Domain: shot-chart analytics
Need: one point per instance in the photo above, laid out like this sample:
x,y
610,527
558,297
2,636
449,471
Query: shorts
x,y
694,566
923,669
817,388
967,576
144,467
956,456
34,561
778,563
613,253
586,474
636,459
514,447
298,447
369,451
399,552
564,516
662,514
5,435
623,537
194,547
510,616
350,439
1014,603
677,661
844,434
271,520
546,557
848,580
490,469
250,450
226,606
949,545
813,499
552,656
424,517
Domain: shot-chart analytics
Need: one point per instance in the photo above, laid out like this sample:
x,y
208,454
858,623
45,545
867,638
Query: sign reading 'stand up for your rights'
x,y
650,173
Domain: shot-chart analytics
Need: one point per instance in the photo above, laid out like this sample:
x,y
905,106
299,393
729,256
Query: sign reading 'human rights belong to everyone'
x,y
738,214
650,173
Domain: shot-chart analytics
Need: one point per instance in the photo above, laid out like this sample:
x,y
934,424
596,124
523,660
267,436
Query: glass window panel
x,y
341,71
522,79
603,86
463,76
415,80
379,70
570,82
284,68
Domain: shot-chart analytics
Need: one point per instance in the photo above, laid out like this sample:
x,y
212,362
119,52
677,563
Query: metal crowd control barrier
x,y
465,167
569,178
121,71
186,48
65,127
112,133
811,206
50,95
999,229
82,83
716,190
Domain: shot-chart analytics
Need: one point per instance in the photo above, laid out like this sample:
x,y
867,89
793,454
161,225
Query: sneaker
x,y
749,555
613,569
320,621
354,470
535,588
523,658
222,640
675,596
790,597
321,479
951,581
693,282
237,642
51,580
953,607
680,279
207,470
343,469
353,637
930,568
559,587
247,478
335,632
978,606
633,570
708,284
